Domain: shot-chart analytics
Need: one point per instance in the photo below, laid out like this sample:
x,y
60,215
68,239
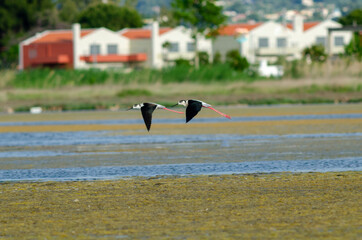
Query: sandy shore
x,y
257,206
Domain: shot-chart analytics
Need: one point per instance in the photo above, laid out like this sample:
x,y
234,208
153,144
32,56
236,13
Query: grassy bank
x,y
257,206
55,78
219,85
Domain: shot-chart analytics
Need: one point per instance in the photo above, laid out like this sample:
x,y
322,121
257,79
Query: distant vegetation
x,y
54,78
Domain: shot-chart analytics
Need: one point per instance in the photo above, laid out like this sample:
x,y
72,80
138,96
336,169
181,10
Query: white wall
x,y
321,30
178,35
271,31
296,41
181,37
250,48
104,37
223,44
142,45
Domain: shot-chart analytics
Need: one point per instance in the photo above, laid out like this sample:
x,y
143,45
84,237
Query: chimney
x,y
156,46
76,43
298,24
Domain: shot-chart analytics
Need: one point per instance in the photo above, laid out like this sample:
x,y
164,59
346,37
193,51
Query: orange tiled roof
x,y
142,33
61,36
307,25
230,30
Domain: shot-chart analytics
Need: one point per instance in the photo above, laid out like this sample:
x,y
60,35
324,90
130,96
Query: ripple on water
x,y
114,172
103,137
196,120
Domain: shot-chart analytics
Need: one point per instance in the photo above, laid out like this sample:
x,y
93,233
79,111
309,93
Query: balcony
x,y
138,57
275,51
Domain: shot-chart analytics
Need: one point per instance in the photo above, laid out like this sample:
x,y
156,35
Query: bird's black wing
x,y
147,111
192,109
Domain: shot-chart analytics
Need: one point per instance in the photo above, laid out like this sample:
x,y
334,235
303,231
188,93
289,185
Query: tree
x,y
354,16
237,62
204,58
17,18
166,18
354,48
109,16
217,58
316,53
68,11
202,16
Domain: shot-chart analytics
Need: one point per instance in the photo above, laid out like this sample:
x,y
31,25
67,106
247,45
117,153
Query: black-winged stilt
x,y
194,106
147,110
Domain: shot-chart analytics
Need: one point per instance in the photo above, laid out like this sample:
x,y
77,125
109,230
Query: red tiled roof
x,y
307,25
142,33
61,36
231,29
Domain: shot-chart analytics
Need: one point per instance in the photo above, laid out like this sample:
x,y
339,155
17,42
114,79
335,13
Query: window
x,y
173,47
112,49
338,41
321,41
190,47
95,49
263,42
281,42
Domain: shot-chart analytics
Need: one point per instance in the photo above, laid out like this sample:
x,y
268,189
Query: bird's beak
x,y
129,108
174,105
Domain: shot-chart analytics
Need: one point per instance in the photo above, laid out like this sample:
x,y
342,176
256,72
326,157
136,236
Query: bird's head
x,y
182,102
135,106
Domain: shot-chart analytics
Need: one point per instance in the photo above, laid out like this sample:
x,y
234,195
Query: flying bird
x,y
147,110
193,107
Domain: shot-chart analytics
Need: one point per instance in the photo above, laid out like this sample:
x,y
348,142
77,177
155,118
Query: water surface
x,y
105,154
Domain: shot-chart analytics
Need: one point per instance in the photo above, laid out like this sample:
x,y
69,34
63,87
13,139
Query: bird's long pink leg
x,y
222,114
172,110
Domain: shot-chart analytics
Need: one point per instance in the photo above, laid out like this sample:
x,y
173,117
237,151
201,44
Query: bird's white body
x,y
138,106
186,103
147,110
194,106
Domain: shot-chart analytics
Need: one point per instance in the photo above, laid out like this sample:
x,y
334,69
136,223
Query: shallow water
x,y
196,120
85,155
96,173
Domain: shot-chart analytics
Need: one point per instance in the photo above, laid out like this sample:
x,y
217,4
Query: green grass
x,y
55,78
326,88
133,92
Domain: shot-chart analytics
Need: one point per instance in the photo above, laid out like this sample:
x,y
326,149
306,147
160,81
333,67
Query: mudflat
x,y
249,206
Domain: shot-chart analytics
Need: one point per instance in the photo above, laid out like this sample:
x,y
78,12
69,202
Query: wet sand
x,y
251,206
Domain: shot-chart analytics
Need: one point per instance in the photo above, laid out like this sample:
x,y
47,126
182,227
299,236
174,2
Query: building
x,y
165,45
102,48
317,33
76,48
159,47
256,42
270,40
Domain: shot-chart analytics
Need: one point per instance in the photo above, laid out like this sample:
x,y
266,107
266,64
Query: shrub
x,y
182,62
203,58
316,53
217,58
237,62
